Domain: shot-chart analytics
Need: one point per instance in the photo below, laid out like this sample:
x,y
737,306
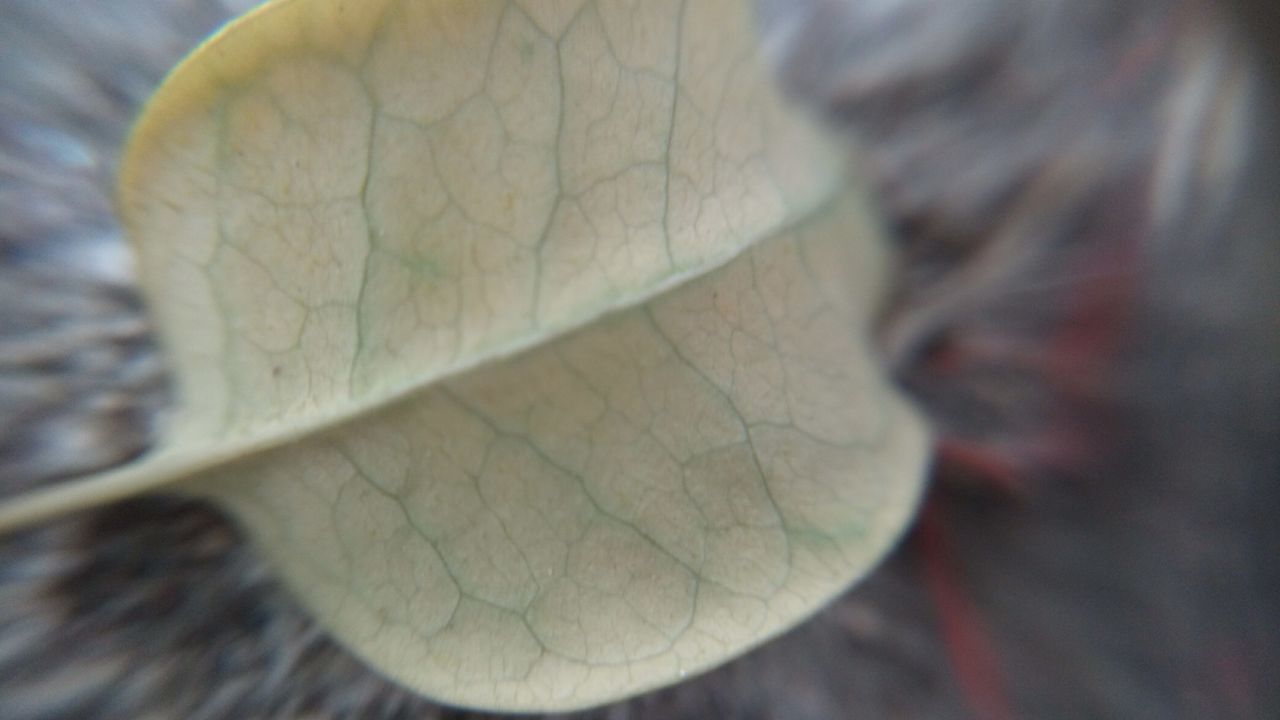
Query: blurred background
x,y
1087,305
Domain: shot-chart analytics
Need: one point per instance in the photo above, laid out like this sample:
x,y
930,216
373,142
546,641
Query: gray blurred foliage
x,y
1033,159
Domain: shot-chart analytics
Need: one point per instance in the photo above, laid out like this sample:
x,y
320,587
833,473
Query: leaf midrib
x,y
172,461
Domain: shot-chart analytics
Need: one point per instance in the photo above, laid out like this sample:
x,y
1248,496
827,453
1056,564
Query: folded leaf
x,y
527,339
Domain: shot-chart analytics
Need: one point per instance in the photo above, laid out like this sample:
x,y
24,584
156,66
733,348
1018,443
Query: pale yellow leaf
x,y
526,339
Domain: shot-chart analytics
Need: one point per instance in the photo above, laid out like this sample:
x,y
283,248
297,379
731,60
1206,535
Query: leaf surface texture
x,y
527,339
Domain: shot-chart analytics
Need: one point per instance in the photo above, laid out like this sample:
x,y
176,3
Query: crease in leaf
x,y
526,339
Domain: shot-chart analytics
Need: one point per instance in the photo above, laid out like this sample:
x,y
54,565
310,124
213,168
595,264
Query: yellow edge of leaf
x,y
225,59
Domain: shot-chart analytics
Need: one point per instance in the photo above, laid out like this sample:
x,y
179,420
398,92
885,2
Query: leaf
x,y
527,340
